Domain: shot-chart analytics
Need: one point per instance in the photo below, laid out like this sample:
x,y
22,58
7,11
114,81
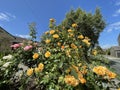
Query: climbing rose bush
x,y
63,60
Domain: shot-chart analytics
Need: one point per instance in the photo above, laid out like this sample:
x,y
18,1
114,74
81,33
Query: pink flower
x,y
15,46
26,48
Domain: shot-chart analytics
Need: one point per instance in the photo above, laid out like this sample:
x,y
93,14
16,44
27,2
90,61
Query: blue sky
x,y
15,15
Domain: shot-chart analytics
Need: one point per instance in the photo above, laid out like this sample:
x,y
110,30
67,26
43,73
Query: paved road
x,y
114,63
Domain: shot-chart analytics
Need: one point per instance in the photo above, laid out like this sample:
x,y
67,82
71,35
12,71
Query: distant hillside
x,y
7,39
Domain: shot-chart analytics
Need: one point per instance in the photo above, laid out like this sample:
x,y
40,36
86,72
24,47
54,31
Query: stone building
x,y
115,50
119,39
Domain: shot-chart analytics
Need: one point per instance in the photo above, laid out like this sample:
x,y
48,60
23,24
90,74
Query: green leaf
x,y
74,73
61,64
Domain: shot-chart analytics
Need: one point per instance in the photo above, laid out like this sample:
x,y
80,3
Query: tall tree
x,y
32,28
90,25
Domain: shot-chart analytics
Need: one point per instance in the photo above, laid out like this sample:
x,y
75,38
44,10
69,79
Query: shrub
x,y
62,61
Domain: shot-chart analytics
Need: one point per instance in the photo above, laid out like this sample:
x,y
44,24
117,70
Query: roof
x,y
116,47
4,31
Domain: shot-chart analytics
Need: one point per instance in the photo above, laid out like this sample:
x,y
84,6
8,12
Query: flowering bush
x,y
64,60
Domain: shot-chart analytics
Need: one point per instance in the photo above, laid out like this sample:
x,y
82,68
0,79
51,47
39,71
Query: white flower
x,y
8,57
6,64
21,65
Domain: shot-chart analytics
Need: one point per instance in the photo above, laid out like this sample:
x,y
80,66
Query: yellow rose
x,y
35,56
47,41
71,80
82,80
69,30
86,42
56,36
52,31
111,75
37,69
80,36
87,38
30,71
47,54
84,72
71,34
75,68
40,66
74,25
73,46
80,75
100,70
94,52
59,44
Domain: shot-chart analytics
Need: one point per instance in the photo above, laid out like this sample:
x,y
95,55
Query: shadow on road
x,y
112,63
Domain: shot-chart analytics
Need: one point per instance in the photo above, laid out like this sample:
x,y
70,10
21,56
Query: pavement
x,y
114,63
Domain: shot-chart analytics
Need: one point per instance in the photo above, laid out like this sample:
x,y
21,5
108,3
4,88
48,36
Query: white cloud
x,y
117,3
117,13
10,15
23,36
113,26
5,16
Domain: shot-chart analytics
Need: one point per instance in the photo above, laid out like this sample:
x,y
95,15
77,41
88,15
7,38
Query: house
x,y
7,39
115,50
119,39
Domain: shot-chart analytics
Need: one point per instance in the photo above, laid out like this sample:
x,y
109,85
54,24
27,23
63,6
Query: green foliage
x,y
63,60
108,51
90,25
32,27
100,50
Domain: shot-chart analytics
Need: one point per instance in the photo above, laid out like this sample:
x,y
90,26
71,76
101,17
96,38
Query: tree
x,y
90,25
32,27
